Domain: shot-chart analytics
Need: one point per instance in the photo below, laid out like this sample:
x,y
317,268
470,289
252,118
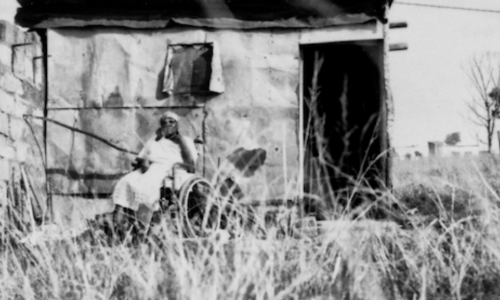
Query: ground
x,y
439,240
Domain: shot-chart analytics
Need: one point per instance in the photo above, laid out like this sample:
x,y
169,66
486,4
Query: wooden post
x,y
498,136
398,47
394,25
300,181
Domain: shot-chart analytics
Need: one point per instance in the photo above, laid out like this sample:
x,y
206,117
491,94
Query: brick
x,y
7,152
38,74
32,95
5,140
4,170
17,127
13,34
22,65
39,113
10,83
9,33
21,151
7,102
21,107
5,55
4,124
18,64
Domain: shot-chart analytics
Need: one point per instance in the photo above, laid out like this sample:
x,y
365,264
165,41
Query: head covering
x,y
169,114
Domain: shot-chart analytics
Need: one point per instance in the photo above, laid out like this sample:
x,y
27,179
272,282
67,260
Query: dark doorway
x,y
344,119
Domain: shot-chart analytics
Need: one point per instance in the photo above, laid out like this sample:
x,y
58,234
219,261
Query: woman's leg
x,y
123,223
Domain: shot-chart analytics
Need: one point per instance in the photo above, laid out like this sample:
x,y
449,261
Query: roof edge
x,y
220,23
237,14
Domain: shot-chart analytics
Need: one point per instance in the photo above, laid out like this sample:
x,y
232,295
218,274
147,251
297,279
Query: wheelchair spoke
x,y
200,208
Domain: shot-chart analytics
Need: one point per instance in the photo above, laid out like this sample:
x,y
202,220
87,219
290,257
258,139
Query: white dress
x,y
144,188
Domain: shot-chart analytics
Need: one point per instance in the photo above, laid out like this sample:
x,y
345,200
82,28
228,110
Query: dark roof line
x,y
62,13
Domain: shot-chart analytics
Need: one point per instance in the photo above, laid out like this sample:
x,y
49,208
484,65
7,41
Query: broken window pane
x,y
190,69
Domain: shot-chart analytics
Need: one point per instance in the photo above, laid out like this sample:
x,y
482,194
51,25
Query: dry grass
x,y
452,205
442,245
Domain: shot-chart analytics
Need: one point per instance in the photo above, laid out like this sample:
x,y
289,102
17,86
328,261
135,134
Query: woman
x,y
155,163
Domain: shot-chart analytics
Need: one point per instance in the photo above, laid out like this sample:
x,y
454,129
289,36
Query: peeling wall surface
x,y
109,82
22,175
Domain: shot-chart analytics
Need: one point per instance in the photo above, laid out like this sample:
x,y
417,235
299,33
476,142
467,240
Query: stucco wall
x,y
21,93
102,70
109,82
260,106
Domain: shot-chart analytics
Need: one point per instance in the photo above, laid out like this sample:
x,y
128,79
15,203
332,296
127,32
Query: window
x,y
193,69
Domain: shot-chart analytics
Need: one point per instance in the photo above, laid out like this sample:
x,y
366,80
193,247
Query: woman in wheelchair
x,y
141,187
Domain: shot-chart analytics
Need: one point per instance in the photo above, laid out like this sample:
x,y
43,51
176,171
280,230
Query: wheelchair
x,y
194,206
191,206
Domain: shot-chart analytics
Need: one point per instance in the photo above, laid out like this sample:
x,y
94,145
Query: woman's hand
x,y
185,153
145,166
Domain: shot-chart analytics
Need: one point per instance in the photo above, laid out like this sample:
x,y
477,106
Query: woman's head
x,y
169,123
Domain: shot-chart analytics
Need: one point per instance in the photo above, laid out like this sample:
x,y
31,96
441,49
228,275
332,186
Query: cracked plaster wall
x,y
108,82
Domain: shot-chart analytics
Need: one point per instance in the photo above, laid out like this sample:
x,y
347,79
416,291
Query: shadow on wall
x,y
247,161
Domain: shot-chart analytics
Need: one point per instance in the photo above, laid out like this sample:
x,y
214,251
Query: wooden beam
x,y
398,47
395,25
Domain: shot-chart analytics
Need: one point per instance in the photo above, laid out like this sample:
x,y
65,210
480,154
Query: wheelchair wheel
x,y
200,208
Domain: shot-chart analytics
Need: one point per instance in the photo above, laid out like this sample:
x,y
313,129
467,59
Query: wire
x,y
103,140
447,7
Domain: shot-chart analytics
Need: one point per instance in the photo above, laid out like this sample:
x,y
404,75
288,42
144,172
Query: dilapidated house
x,y
291,94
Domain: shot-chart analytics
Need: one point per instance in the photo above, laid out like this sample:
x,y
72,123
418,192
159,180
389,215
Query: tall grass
x,y
438,239
441,242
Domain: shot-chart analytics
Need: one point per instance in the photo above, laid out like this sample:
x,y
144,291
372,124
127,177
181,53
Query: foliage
x,y
452,139
483,72
442,243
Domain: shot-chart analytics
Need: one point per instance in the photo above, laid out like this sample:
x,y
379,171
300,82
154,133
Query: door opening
x,y
343,120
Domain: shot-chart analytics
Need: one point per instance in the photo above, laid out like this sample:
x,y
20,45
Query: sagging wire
x,y
429,5
103,140
44,157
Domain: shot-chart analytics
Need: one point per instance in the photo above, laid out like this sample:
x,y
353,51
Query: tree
x,y
452,139
483,72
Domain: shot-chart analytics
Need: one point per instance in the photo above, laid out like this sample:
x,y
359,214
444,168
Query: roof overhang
x,y
244,14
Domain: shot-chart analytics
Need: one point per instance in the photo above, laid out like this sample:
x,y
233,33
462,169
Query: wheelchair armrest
x,y
188,167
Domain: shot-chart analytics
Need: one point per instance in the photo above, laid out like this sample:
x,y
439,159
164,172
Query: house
x,y
300,84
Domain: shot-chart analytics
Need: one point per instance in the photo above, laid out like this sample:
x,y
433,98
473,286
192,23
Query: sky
x,y
428,81
8,10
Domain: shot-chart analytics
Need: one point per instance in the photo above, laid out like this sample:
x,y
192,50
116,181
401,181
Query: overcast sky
x,y
428,80
8,9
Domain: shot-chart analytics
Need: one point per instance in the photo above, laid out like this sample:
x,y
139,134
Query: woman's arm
x,y
188,152
141,162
